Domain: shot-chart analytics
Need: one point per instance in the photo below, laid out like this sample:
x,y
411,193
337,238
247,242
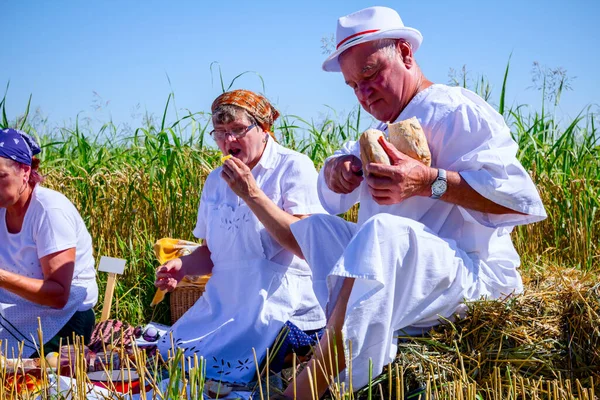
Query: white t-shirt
x,y
51,224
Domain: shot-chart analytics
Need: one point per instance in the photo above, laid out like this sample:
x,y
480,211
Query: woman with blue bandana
x,y
46,261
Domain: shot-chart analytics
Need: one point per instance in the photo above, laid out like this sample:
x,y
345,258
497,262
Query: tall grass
x,y
565,163
133,189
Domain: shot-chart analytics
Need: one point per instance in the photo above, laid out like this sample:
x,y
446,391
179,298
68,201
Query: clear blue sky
x,y
64,51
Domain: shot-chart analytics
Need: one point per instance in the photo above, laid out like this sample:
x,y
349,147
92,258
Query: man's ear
x,y
405,51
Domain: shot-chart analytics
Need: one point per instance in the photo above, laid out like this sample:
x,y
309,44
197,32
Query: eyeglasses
x,y
237,133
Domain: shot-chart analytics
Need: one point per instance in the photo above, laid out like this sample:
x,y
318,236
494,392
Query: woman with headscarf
x,y
260,282
46,262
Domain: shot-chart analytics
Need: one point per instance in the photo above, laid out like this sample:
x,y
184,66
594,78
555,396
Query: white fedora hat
x,y
369,24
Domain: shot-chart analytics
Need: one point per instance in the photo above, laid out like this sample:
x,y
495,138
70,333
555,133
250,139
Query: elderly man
x,y
427,238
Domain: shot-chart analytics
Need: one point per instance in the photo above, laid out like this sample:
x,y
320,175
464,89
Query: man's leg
x,y
323,239
404,275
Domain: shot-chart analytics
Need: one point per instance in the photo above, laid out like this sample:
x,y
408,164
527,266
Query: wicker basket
x,y
183,297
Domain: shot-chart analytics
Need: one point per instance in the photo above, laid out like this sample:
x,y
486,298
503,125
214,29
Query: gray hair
x,y
389,46
227,113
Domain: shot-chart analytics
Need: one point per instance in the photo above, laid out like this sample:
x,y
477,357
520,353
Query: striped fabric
x,y
355,37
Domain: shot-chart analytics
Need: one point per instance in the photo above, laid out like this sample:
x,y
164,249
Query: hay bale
x,y
550,332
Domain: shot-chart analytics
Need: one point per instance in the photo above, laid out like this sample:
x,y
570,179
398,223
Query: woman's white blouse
x,y
256,285
286,177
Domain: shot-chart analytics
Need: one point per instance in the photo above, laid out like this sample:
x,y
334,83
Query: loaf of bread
x,y
408,137
370,149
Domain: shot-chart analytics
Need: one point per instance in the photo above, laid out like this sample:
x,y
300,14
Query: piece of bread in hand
x,y
408,137
370,149
216,389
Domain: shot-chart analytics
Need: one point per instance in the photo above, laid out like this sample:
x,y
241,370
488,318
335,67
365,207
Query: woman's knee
x,y
323,230
328,223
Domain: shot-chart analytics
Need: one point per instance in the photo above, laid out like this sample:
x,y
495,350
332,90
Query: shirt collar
x,y
268,159
383,126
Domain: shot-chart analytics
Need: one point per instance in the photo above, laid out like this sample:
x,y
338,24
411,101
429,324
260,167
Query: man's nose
x,y
363,92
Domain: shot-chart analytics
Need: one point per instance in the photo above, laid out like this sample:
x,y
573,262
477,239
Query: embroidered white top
x,y
288,178
256,285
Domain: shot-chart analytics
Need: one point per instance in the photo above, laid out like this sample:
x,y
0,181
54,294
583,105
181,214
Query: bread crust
x,y
408,137
370,149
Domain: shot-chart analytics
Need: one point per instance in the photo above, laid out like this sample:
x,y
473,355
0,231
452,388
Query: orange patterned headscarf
x,y
258,106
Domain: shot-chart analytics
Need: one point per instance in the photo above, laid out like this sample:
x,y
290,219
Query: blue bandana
x,y
18,146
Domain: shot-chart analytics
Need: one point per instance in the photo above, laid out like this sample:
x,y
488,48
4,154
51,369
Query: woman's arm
x,y
276,221
173,271
198,262
54,289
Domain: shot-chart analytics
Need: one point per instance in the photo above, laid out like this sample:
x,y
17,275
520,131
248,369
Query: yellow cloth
x,y
167,249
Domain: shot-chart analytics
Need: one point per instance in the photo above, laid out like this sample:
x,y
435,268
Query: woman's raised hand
x,y
239,178
169,275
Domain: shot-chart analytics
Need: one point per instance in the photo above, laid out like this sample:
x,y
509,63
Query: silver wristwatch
x,y
439,186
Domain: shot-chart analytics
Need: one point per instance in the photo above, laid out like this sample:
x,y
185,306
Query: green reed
x,y
135,188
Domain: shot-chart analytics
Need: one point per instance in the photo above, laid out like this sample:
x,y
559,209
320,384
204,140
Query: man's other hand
x,y
343,174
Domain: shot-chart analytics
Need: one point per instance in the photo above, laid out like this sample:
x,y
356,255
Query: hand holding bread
x,y
407,136
401,174
344,174
370,149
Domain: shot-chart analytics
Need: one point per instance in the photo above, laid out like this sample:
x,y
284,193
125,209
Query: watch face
x,y
439,187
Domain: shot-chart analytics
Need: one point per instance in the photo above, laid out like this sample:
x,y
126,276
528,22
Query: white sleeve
x,y
199,231
56,231
476,143
299,187
336,203
200,228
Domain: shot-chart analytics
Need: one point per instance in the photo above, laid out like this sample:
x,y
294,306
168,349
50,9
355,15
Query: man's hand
x,y
343,174
406,177
169,275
